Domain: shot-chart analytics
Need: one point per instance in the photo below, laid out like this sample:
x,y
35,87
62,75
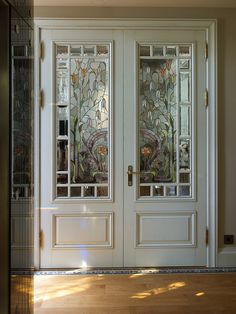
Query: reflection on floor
x,y
22,290
103,294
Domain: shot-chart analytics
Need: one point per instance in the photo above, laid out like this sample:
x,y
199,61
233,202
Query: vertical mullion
x,y
69,110
177,121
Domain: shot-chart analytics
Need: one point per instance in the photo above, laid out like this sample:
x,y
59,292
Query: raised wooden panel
x,y
21,232
83,230
165,229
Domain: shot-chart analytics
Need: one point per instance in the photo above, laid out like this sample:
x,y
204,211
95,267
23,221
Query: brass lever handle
x,y
130,173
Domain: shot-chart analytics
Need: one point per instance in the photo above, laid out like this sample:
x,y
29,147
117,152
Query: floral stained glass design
x,y
165,120
83,119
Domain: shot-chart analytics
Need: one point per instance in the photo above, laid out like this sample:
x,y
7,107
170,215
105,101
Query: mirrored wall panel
x,y
165,120
83,109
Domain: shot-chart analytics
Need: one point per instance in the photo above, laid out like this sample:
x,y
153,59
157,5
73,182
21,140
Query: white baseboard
x,y
227,257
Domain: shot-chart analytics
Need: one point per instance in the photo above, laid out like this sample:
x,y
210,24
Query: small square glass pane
x,y
184,64
171,51
102,50
62,178
75,191
184,51
89,191
171,191
184,177
62,51
62,191
158,51
185,87
62,64
158,190
145,51
88,50
144,190
184,190
76,50
102,191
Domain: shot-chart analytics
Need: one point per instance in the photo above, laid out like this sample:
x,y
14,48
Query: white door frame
x,y
210,28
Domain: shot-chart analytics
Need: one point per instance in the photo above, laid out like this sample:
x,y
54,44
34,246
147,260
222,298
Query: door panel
x,y
82,127
164,149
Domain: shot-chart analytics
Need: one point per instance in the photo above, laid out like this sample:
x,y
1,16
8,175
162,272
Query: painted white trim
x,y
227,257
210,27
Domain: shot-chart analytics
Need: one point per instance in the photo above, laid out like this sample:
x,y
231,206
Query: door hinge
x,y
207,236
41,239
206,51
206,98
41,50
41,98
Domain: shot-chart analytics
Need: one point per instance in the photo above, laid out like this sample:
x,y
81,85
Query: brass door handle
x,y
130,173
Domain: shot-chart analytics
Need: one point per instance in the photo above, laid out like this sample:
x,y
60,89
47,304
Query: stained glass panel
x,y
165,120
157,120
83,118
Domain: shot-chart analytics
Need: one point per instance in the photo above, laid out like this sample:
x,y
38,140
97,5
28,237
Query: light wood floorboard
x,y
131,294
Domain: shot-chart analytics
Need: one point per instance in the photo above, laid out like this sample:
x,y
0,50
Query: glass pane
x,y
158,190
75,191
185,87
184,161
89,120
157,120
158,51
76,50
62,64
144,51
102,191
171,191
144,190
62,191
171,51
184,177
184,120
184,64
62,121
185,50
88,191
62,88
184,190
62,51
102,50
62,178
62,156
88,50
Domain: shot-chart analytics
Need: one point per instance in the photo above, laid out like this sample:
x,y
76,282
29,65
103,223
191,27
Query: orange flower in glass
x,y
83,72
102,150
146,151
74,79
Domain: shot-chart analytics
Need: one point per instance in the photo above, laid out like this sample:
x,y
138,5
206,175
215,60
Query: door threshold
x,y
134,270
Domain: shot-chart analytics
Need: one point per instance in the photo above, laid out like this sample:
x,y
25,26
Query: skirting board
x,y
227,257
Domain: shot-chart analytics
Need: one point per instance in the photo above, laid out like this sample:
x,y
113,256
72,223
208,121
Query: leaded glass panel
x,y
83,120
165,120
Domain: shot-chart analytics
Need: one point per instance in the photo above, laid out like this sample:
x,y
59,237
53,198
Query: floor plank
x,y
134,294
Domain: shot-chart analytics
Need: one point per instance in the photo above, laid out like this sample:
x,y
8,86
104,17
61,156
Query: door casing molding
x,y
210,28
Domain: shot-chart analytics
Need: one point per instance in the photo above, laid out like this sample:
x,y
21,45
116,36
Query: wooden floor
x,y
103,294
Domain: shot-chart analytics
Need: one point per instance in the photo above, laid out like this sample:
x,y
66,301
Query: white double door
x,y
118,102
